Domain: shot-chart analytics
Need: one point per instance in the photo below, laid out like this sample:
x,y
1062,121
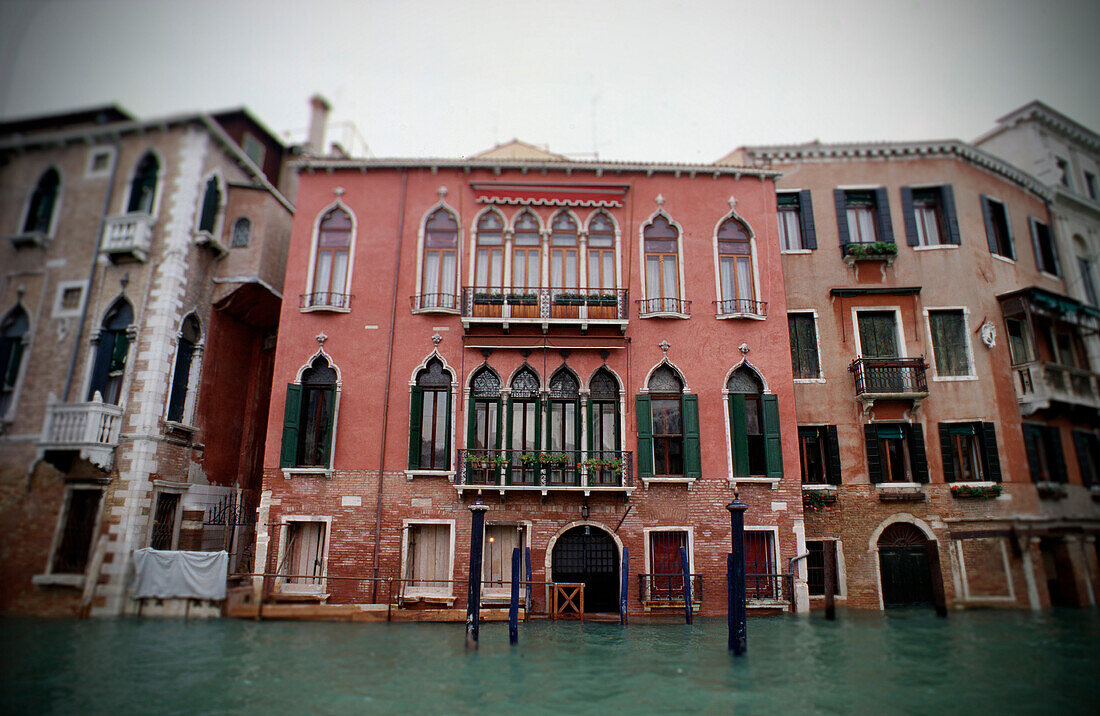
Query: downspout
x,y
386,396
91,271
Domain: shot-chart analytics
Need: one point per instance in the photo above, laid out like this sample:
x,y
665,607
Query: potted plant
x,y
878,250
569,299
1051,490
523,299
980,492
817,500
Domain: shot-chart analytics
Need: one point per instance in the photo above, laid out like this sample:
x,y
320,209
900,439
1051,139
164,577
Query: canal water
x,y
903,662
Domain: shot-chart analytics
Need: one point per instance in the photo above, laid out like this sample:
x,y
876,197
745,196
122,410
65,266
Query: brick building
x,y
599,349
143,263
925,315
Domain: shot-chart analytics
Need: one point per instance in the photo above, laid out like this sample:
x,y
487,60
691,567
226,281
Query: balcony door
x,y
878,338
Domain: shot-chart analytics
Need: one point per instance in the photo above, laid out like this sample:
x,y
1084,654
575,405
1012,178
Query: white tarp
x,y
165,574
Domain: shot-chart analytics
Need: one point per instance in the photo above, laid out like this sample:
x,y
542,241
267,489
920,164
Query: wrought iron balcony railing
x,y
658,590
742,307
658,306
901,377
543,305
321,300
127,236
545,470
427,302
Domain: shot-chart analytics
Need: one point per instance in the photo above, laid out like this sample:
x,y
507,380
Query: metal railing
x,y
668,589
741,306
325,299
435,301
128,234
664,305
902,376
546,469
544,304
770,587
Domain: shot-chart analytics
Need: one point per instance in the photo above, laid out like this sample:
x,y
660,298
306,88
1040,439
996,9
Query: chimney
x,y
318,119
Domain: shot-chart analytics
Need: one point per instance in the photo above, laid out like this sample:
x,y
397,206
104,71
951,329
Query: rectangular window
x,y
434,430
665,565
668,437
163,535
1019,341
1065,350
1084,266
815,567
1090,186
819,451
428,560
928,217
71,555
253,149
1063,171
1046,253
1088,456
949,344
303,557
895,452
803,333
860,212
962,449
790,221
760,565
1045,458
500,540
997,231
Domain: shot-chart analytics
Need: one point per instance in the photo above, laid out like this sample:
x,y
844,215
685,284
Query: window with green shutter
x,y
819,452
949,343
665,405
754,426
309,418
430,419
803,333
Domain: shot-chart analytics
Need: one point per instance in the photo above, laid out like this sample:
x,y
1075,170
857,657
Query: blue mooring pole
x,y
625,585
527,593
735,570
686,568
513,605
473,590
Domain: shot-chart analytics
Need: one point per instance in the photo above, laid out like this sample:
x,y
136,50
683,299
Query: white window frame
x,y
972,374
90,172
732,214
167,487
647,531
817,342
313,245
899,328
49,577
158,194
957,548
1008,223
420,239
326,472
774,532
801,228
841,569
583,233
190,395
445,594
316,589
63,286
679,260
452,422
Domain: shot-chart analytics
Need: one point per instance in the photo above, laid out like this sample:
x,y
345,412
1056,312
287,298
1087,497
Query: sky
x,y
636,80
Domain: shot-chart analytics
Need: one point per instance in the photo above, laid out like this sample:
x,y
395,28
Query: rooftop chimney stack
x,y
318,119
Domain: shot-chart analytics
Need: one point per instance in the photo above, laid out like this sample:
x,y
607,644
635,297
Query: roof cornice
x,y
1053,120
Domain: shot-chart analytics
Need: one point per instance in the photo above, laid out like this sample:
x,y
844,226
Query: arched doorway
x,y
905,566
588,554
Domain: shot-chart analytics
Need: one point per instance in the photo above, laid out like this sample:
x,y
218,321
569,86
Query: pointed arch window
x,y
111,352
143,186
483,425
668,428
489,259
735,272
430,419
309,417
563,252
211,202
604,428
564,428
242,228
754,426
526,253
43,201
525,421
440,262
601,252
331,262
13,334
181,397
662,270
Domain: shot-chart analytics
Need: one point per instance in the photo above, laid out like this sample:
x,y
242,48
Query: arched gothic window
x,y
440,263
331,263
563,252
111,352
43,201
309,417
754,426
143,186
601,252
242,227
430,419
564,429
483,427
13,333
211,202
190,334
735,269
662,272
489,260
604,428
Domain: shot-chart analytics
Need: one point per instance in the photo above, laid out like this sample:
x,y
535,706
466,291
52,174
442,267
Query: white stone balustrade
x,y
128,235
91,428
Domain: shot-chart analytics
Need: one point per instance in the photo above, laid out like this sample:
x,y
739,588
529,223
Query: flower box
x,y
1051,491
817,500
976,492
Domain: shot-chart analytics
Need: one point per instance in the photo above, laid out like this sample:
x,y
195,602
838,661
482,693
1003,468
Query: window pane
x,y
744,278
339,272
431,272
609,270
949,342
866,226
790,230
671,279
322,280
653,277
725,265
447,273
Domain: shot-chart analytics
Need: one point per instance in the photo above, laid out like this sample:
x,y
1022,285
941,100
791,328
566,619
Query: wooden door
x,y
759,565
666,568
305,543
496,570
905,566
428,559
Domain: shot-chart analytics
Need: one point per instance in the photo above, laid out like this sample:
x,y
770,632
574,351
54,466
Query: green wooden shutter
x,y
806,211
950,215
292,411
739,438
832,454
1058,457
917,453
508,424
577,418
882,213
840,199
990,232
693,466
500,417
471,423
590,421
1032,225
773,446
874,460
947,452
908,218
1032,435
540,407
1081,445
447,440
416,416
991,461
645,436
330,428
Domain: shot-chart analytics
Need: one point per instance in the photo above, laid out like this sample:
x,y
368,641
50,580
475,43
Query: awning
x,y
590,195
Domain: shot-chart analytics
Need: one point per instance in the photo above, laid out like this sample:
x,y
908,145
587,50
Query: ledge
x,y
435,309
329,309
689,481
74,581
449,474
818,487
447,599
747,316
665,314
900,492
772,482
325,472
547,489
937,247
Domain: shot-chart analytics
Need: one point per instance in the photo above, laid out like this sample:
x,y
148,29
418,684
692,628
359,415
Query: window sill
x,y
937,247
953,378
810,380
749,316
665,314
174,427
73,581
897,486
818,487
796,251
328,309
1006,259
429,598
449,474
689,481
325,472
773,482
435,309
1051,276
976,483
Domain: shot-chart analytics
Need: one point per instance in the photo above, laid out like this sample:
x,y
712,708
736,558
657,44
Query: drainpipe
x,y
91,271
386,396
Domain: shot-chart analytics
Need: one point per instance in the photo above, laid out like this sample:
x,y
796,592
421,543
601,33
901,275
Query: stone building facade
x,y
142,272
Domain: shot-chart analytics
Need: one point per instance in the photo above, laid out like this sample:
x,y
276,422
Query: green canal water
x,y
904,662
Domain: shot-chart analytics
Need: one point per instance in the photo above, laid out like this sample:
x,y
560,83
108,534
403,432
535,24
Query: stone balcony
x,y
127,237
1040,383
88,430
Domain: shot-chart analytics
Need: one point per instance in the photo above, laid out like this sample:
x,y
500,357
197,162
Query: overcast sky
x,y
644,80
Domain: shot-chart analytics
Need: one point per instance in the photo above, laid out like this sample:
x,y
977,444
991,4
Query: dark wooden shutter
x,y
832,455
874,460
210,203
471,423
773,446
882,213
806,214
841,201
447,441
508,426
917,453
950,216
1008,233
990,232
692,459
1032,435
180,378
1032,225
947,452
644,417
908,219
991,458
292,411
590,421
1057,456
1084,465
739,439
330,427
416,416
1054,250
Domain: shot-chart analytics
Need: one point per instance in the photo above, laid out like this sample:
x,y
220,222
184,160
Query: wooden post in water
x,y
735,581
625,585
513,605
473,589
830,580
527,606
938,597
686,569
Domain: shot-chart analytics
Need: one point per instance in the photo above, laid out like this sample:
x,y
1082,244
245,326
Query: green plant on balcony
x,y
529,459
489,298
485,461
603,299
874,250
523,299
976,492
569,299
593,464
816,500
553,458
1051,491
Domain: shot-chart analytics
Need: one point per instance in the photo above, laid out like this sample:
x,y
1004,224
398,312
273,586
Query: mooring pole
x,y
527,606
473,590
625,579
513,605
735,568
686,569
830,580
